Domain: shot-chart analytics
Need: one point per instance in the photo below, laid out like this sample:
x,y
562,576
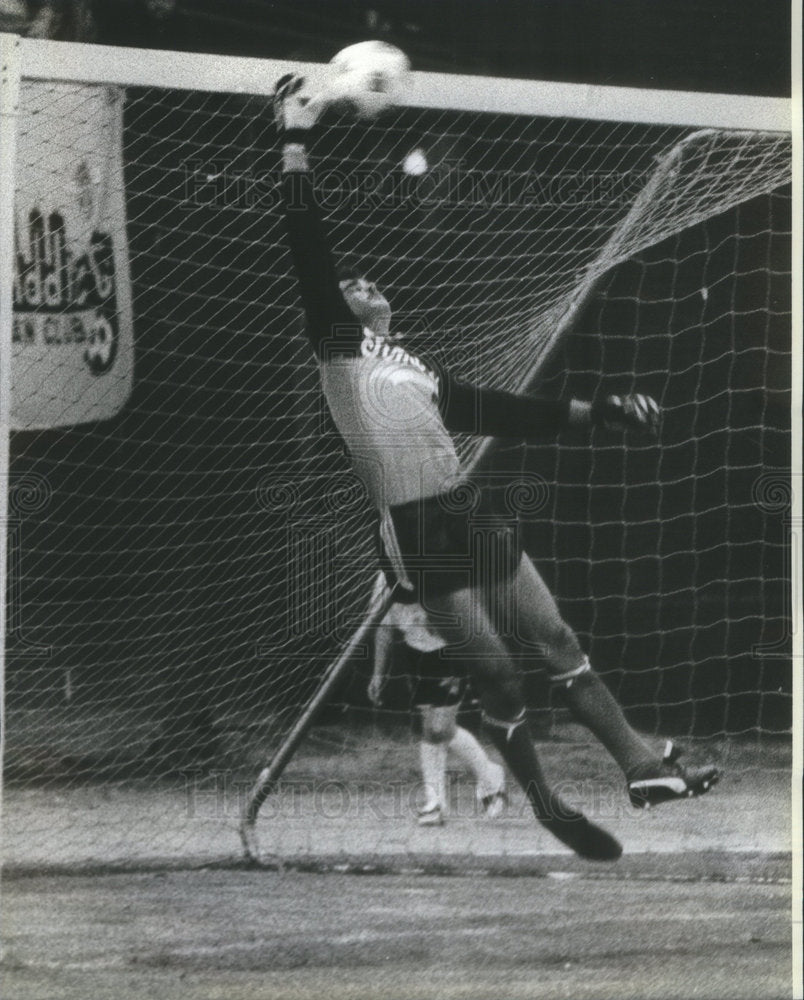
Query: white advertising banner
x,y
72,359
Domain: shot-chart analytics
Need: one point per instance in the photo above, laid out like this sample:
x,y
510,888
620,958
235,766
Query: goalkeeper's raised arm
x,y
321,294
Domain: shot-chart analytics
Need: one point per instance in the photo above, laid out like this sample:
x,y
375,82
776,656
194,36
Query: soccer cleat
x,y
495,802
432,816
668,781
582,835
494,805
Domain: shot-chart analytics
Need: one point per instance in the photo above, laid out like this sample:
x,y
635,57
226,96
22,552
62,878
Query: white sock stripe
x,y
572,674
509,727
671,782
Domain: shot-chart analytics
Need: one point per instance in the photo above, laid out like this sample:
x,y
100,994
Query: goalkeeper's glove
x,y
636,412
295,112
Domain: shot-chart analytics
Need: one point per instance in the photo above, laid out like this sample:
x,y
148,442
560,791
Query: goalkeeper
x,y
395,413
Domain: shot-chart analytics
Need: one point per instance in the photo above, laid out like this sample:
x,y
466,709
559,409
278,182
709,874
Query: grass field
x,y
248,935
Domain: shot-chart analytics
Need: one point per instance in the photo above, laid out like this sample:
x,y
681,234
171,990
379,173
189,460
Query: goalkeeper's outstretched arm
x,y
496,413
324,305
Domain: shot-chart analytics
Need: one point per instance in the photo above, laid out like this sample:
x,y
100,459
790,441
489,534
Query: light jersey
x,y
385,405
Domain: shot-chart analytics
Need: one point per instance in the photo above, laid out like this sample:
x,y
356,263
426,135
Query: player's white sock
x,y
488,775
433,757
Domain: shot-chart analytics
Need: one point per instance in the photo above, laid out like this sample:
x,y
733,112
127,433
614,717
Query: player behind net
x,y
438,691
395,413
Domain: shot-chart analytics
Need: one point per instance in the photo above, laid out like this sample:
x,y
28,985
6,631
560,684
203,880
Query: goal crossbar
x,y
67,61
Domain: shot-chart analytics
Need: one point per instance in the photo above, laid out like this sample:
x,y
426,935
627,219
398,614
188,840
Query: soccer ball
x,y
368,78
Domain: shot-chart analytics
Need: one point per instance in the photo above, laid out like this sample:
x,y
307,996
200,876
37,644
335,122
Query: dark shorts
x,y
436,681
446,544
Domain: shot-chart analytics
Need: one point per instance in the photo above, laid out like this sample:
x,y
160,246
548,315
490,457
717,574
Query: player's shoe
x,y
493,805
431,816
669,781
586,838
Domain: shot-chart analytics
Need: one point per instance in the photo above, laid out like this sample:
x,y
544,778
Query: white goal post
x,y
166,612
41,60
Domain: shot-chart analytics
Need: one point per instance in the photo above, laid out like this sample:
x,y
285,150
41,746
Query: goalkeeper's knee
x,y
562,651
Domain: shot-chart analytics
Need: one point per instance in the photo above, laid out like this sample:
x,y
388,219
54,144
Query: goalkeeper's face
x,y
368,304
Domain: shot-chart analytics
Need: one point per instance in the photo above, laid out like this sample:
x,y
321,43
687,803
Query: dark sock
x,y
517,750
567,824
594,705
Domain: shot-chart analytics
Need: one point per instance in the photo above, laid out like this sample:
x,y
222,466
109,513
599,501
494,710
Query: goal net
x,y
184,568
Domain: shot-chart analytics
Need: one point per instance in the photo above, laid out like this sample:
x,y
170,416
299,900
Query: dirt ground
x,y
136,889
356,796
257,935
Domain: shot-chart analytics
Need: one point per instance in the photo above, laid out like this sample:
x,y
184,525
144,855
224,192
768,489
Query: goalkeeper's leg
x,y
570,826
496,681
651,778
